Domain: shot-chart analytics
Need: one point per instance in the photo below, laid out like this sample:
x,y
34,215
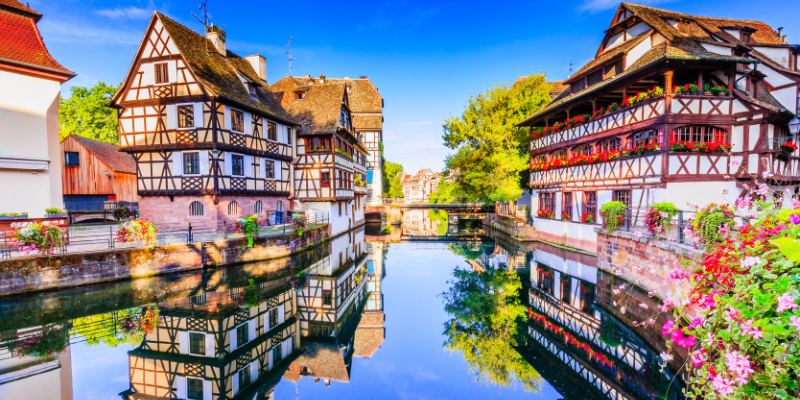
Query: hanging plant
x,y
659,217
138,230
43,239
712,223
142,323
51,340
613,214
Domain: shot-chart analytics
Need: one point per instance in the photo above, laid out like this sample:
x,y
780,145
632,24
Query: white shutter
x,y
254,371
180,387
286,348
248,166
210,344
232,335
198,115
251,329
281,313
172,116
183,342
207,395
269,359
266,322
264,168
177,163
204,162
228,170
227,117
172,66
235,379
248,124
277,166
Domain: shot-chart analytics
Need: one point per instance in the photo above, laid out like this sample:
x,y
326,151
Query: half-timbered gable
x,y
204,127
674,108
219,343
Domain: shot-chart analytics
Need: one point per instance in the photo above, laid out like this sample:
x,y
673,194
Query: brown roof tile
x,y
320,360
318,110
109,155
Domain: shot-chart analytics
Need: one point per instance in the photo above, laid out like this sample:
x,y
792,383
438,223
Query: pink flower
x,y
749,329
709,301
696,322
750,261
667,328
794,218
681,339
732,314
678,274
763,190
667,305
786,302
795,203
795,323
723,386
739,366
699,358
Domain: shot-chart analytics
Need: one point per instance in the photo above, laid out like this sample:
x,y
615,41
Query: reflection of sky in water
x,y
99,371
412,363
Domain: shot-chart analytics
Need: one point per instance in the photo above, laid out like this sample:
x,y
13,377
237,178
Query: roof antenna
x,y
289,53
570,65
205,19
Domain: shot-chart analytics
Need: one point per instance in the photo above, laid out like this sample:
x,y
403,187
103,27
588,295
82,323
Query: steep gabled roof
x,y
318,111
108,154
21,44
220,75
320,360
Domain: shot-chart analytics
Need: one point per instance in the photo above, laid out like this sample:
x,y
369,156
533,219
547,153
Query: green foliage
x,y
86,113
53,211
447,192
248,226
439,219
487,325
708,223
609,332
102,328
43,344
491,151
613,214
43,239
138,230
392,187
659,217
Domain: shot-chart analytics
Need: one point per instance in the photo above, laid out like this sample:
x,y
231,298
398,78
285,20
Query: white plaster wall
x,y
564,266
685,195
787,97
779,55
637,52
29,130
774,77
637,30
572,230
717,49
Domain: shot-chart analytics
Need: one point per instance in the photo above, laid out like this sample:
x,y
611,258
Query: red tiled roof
x,y
21,45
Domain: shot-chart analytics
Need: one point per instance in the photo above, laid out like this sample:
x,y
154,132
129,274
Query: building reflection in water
x,y
34,376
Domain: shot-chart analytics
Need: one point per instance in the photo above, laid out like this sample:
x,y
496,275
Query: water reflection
x,y
533,321
423,224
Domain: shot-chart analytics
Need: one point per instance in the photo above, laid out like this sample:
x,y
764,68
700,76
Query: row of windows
x,y
237,125
196,208
191,165
588,203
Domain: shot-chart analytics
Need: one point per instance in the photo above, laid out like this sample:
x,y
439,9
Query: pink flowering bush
x,y
138,230
37,238
741,323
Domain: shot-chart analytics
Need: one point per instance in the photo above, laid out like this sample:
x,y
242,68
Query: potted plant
x,y
787,148
122,213
53,212
51,340
248,226
711,223
659,217
587,218
706,89
566,216
613,214
541,213
138,230
13,215
38,238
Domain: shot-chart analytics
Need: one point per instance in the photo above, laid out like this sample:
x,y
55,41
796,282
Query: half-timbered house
x,y
210,139
95,172
366,107
673,107
217,345
330,171
30,90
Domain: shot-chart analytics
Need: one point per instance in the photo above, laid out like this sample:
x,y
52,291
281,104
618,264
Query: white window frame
x,y
178,119
244,165
183,163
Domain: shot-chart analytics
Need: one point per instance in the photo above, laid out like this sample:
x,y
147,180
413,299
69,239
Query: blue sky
x,y
427,57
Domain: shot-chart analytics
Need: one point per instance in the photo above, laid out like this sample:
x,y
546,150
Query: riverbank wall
x,y
31,274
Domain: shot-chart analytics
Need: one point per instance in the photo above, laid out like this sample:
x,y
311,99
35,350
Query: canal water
x,y
376,313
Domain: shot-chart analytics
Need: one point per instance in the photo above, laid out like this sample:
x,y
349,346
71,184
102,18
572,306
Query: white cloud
x,y
603,5
64,31
125,12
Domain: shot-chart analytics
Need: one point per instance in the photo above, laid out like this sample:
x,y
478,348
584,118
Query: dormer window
x,y
252,88
299,94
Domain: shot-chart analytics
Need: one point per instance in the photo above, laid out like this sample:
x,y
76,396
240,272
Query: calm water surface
x,y
360,318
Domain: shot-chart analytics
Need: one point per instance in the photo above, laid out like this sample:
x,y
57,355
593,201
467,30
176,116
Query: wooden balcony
x,y
204,184
648,110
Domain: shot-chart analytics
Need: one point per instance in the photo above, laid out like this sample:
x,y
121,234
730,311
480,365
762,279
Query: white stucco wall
x,y
29,132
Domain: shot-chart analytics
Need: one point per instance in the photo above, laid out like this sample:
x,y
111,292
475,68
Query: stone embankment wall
x,y
31,274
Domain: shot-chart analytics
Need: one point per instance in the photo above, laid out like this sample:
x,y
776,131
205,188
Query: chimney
x,y
217,37
745,34
322,78
259,64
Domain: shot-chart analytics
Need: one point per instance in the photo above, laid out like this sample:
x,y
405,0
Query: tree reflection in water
x,y
487,325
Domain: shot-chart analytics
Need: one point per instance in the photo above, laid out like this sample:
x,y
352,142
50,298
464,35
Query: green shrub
x,y
709,221
53,211
249,226
659,217
613,214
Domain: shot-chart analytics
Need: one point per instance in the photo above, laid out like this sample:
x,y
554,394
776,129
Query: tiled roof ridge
x,y
685,15
18,53
14,5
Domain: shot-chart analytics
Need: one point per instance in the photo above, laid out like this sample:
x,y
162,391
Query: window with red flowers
x,y
698,134
610,144
566,206
589,207
547,204
623,196
642,138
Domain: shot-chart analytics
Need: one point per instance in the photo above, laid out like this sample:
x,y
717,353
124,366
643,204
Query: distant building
x,y
417,188
210,139
95,172
30,159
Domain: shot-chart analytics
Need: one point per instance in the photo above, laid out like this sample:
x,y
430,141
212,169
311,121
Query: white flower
x,y
665,356
750,261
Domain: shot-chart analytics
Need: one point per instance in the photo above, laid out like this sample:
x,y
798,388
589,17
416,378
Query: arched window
x,y
233,208
195,209
258,208
698,134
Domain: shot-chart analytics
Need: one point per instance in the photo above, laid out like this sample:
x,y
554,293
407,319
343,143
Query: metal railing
x,y
636,221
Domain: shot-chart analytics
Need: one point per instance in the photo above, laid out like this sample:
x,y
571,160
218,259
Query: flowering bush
x,y
788,147
541,213
137,230
741,323
689,88
613,214
49,341
700,147
248,226
139,324
659,217
712,223
299,223
587,218
43,239
566,216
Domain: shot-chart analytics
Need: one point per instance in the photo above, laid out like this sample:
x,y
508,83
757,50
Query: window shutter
x,y
177,163
266,322
281,313
248,166
251,329
227,117
248,124
183,342
180,387
198,115
232,335
204,170
209,345
172,116
207,390
264,168
254,371
277,166
227,164
286,348
172,67
269,360
235,379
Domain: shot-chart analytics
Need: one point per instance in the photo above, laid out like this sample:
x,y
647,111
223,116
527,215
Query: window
x,y
195,209
233,208
186,116
566,288
242,335
288,135
277,356
197,343
584,149
610,144
72,159
698,134
586,291
270,166
237,165
327,297
258,208
191,163
566,206
272,131
273,317
244,377
645,137
237,121
194,389
545,280
252,88
162,73
547,203
623,196
325,179
589,205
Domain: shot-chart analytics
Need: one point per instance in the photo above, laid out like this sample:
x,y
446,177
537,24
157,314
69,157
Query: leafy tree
x,y
487,325
491,151
446,193
86,113
392,187
104,328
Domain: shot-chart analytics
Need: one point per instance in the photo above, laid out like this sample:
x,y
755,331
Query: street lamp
x,y
794,125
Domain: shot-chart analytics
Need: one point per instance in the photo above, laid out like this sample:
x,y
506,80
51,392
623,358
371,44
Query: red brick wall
x,y
173,214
